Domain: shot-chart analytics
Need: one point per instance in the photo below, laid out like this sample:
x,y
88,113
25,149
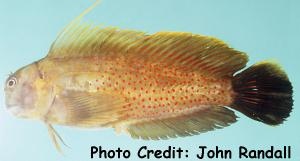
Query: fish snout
x,y
18,101
14,109
12,104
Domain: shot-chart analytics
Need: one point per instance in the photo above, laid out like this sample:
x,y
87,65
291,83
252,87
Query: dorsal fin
x,y
79,39
183,50
65,33
85,40
190,52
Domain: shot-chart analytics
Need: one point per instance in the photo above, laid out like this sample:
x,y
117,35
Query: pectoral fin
x,y
86,109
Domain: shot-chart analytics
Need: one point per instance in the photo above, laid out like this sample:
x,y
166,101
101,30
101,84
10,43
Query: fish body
x,y
145,91
152,86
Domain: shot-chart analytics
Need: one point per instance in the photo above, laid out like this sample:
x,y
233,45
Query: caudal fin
x,y
264,93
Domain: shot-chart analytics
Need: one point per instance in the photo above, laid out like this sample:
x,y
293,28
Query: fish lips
x,y
14,109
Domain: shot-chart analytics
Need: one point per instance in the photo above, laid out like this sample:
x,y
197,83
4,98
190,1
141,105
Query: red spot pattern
x,y
155,90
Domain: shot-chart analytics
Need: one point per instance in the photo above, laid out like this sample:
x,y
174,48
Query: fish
x,y
150,86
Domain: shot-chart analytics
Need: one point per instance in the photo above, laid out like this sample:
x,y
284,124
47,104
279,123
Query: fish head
x,y
20,91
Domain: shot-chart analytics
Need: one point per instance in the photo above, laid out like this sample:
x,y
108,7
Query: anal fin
x,y
185,125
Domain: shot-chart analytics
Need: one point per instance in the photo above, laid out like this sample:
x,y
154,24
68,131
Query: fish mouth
x,y
14,109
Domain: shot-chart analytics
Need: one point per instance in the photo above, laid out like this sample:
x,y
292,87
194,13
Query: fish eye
x,y
11,82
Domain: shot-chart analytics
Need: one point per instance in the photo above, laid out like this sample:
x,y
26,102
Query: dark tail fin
x,y
264,93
